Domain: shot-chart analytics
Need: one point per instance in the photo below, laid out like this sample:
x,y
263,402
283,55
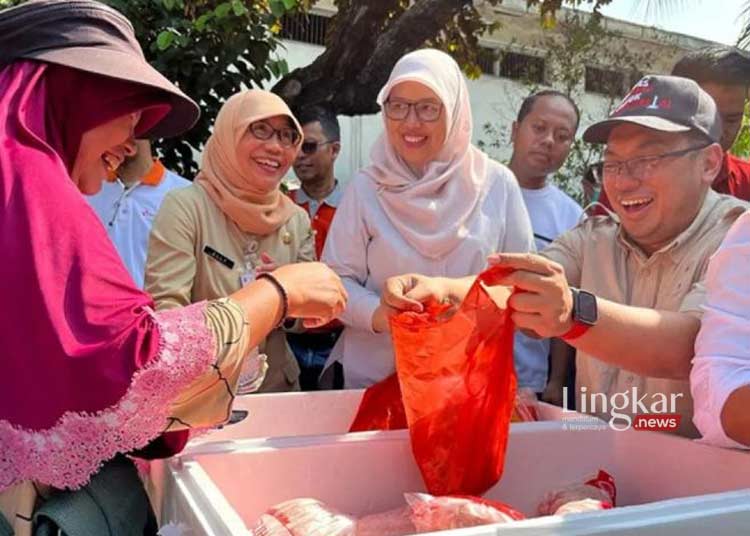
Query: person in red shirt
x,y
724,73
319,194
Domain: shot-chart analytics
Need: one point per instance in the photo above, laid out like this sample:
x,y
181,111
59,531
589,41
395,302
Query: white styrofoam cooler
x,y
310,413
270,415
667,485
291,414
286,415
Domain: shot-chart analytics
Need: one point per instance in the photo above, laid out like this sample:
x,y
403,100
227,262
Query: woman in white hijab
x,y
430,202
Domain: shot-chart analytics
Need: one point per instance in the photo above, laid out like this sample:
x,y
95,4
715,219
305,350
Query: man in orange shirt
x,y
724,73
319,194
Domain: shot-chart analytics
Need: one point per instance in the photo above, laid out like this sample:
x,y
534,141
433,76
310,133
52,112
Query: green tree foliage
x,y
741,147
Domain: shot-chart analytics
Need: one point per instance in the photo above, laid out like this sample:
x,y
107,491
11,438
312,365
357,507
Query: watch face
x,y
586,309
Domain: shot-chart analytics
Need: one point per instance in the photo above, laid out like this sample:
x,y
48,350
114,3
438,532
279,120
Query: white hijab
x,y
432,212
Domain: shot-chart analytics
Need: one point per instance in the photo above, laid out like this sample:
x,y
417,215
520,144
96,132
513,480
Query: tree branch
x,y
363,47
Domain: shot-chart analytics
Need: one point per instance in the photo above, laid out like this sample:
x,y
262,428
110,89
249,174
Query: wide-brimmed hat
x,y
92,37
665,103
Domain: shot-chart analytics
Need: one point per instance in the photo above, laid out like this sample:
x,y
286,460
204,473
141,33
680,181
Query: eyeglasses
x,y
645,165
311,147
427,111
288,137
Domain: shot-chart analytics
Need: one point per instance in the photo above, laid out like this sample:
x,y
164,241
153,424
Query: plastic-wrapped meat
x,y
304,517
441,513
597,493
584,505
391,523
424,513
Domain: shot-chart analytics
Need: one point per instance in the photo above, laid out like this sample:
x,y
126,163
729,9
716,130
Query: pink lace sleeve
x,y
66,455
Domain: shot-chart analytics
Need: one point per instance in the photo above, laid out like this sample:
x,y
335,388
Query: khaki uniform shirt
x,y
598,257
180,269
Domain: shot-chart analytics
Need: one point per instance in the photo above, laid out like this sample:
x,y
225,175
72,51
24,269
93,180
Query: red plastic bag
x,y
457,382
381,408
458,386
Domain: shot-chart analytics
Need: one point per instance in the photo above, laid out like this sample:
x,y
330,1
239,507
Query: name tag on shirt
x,y
223,259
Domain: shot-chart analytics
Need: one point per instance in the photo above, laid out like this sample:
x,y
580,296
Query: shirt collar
x,y
153,176
332,200
675,247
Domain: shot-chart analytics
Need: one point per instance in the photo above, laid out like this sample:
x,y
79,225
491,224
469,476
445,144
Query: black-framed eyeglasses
x,y
427,111
288,137
311,147
644,165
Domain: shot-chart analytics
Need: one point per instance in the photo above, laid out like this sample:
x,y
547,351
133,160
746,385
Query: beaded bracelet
x,y
282,291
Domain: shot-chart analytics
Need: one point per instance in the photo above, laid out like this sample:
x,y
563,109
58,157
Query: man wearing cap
x,y
128,203
724,73
627,294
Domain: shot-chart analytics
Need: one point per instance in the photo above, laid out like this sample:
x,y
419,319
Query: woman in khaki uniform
x,y
212,238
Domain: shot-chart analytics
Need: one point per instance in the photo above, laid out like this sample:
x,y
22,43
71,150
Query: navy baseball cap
x,y
665,103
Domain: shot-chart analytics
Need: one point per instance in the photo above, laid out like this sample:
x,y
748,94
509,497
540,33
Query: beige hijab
x,y
222,176
432,212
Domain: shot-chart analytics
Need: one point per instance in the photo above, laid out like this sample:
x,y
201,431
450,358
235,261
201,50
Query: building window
x,y
522,67
305,27
486,58
604,81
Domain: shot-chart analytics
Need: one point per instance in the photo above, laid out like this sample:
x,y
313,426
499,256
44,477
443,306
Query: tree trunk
x,y
362,49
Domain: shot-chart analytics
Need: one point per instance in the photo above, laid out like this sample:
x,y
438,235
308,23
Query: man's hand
x,y
542,301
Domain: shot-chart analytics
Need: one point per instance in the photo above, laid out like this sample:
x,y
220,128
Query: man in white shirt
x,y
720,377
542,137
128,203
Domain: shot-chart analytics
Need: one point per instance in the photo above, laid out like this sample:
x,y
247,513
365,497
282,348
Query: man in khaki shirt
x,y
634,320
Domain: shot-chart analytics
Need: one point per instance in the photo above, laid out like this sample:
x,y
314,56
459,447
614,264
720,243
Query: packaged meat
x,y
596,493
304,517
391,523
423,513
430,513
